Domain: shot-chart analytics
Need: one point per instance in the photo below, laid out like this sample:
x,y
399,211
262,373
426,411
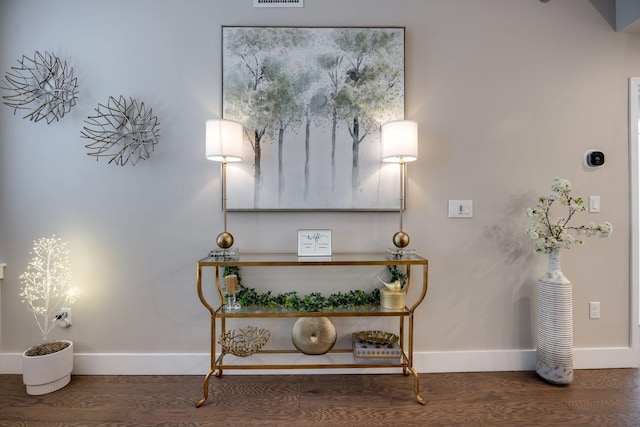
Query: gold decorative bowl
x,y
244,342
378,337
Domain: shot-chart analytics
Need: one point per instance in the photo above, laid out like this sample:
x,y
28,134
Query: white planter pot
x,y
48,373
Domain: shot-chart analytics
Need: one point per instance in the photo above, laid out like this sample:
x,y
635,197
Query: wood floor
x,y
595,398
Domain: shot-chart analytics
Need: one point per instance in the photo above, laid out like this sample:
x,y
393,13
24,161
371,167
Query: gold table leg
x,y
200,402
416,386
219,363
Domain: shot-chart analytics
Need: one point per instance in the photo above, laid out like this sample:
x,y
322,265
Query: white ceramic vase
x,y
48,373
554,356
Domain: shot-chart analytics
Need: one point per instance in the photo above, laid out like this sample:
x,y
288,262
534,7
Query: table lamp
x,y
400,145
224,144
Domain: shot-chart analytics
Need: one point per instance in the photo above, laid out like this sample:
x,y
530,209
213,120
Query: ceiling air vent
x,y
278,3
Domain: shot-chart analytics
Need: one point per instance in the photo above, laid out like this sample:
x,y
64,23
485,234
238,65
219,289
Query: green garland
x,y
397,275
312,302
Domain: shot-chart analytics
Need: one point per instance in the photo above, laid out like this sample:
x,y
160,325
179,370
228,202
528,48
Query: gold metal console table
x,y
218,364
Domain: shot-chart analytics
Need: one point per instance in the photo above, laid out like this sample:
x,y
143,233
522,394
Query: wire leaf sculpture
x,y
44,85
124,131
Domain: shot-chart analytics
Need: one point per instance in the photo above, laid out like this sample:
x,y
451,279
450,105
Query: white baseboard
x,y
424,362
606,358
521,360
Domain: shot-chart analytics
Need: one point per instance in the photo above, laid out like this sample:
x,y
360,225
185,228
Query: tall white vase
x,y
554,358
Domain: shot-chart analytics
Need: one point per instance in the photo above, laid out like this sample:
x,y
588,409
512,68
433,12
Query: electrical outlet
x,y
594,310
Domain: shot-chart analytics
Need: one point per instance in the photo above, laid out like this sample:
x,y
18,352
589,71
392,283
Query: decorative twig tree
x,y
46,285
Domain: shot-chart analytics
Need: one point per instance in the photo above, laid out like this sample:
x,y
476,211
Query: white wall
x,y
508,94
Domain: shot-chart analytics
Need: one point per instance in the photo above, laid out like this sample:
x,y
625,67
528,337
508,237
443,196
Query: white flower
x,y
550,235
560,185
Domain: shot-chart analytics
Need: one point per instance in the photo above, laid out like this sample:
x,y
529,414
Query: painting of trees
x,y
311,101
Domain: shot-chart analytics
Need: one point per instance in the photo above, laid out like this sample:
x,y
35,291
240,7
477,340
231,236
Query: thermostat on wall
x,y
593,158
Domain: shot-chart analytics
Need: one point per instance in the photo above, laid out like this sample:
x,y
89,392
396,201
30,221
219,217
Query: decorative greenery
x,y
397,275
550,235
312,302
315,301
46,285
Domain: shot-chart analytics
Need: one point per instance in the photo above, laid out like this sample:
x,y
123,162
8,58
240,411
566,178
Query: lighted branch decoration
x,y
46,285
44,85
123,130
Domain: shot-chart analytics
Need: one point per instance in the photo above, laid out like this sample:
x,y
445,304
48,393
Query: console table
x,y
218,315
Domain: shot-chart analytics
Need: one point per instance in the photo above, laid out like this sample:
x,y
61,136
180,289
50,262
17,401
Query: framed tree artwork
x,y
311,102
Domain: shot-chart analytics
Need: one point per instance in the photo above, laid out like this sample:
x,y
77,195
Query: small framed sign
x,y
314,242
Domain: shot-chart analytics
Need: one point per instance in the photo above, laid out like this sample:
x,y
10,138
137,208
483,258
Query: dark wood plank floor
x,y
608,397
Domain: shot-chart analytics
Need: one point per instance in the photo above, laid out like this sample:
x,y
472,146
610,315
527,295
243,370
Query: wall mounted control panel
x,y
593,158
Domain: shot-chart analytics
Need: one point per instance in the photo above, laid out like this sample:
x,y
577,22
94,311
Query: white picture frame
x,y
314,243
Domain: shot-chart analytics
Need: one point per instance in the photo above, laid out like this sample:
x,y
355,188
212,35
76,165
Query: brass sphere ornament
x,y
401,239
224,240
314,335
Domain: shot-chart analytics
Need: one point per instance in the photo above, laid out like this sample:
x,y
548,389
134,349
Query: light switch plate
x,y
460,208
594,310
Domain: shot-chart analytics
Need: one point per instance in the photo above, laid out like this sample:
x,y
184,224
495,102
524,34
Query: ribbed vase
x,y
554,357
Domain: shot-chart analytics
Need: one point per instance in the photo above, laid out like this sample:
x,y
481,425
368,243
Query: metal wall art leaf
x,y
124,131
43,85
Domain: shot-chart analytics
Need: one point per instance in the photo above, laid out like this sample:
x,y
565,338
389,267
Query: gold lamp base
x,y
224,240
401,239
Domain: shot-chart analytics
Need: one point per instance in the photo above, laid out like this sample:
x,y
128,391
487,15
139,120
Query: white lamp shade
x,y
399,141
224,140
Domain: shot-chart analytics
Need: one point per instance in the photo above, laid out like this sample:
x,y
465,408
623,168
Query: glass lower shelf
x,y
335,359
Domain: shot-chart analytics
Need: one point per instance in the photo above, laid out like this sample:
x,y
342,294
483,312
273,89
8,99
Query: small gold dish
x,y
378,337
244,342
